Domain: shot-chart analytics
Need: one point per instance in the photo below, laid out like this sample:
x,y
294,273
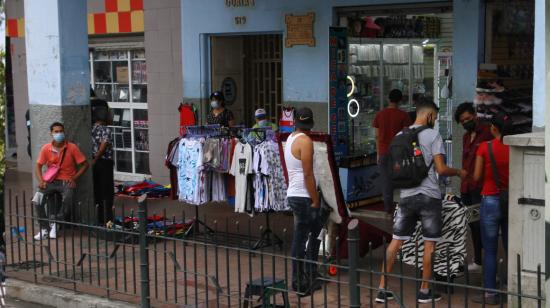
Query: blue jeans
x,y
306,224
491,220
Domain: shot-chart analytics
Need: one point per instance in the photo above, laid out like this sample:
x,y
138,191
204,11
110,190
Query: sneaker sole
x,y
429,301
381,301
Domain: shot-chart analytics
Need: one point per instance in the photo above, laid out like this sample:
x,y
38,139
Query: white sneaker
x,y
474,267
53,230
41,235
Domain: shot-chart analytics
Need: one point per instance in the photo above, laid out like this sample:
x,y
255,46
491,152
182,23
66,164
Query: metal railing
x,y
141,265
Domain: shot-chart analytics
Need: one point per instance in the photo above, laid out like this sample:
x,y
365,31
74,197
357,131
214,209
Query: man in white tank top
x,y
304,201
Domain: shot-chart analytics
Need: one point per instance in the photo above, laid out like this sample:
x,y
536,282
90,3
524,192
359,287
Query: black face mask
x,y
469,126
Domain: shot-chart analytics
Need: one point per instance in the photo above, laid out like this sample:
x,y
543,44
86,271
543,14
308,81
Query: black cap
x,y
304,119
503,123
217,95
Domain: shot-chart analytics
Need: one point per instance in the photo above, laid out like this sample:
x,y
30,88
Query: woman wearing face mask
x,y
492,170
218,113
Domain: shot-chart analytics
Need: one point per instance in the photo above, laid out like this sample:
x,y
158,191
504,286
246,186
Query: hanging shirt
x,y
187,117
241,167
191,180
286,122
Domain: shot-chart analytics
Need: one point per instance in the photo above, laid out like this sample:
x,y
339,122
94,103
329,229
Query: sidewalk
x,y
197,275
42,296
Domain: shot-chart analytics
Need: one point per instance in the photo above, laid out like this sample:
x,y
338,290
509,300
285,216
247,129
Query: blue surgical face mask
x,y
262,122
214,104
59,137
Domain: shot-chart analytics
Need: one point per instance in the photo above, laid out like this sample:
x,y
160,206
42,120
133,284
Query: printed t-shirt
x,y
431,144
501,153
190,175
389,122
241,167
49,156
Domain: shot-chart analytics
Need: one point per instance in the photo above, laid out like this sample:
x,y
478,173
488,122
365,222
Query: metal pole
x,y
353,255
143,254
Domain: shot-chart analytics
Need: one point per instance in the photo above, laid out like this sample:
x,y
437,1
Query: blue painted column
x,y
58,77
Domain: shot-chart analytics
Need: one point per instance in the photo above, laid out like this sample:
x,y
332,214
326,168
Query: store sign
x,y
240,20
299,30
240,3
339,108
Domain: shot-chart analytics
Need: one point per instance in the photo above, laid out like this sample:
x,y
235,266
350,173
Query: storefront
x,y
134,57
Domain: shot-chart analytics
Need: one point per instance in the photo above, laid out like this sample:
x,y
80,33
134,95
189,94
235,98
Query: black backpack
x,y
405,170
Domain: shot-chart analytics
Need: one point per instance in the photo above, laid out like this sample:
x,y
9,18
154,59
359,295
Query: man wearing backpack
x,y
388,123
416,159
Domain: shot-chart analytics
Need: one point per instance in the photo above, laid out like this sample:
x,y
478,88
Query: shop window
x,y
120,78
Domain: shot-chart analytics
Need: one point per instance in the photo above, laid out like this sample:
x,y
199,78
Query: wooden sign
x,y
299,30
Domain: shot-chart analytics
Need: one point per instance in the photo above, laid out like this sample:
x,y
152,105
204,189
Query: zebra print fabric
x,y
450,251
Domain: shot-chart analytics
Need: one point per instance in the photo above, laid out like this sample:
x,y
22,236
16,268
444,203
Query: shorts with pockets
x,y
415,208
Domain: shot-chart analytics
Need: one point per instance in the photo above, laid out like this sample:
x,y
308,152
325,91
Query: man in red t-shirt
x,y
72,165
477,132
388,123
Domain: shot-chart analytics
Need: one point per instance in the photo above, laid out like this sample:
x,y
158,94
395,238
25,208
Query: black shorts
x,y
413,209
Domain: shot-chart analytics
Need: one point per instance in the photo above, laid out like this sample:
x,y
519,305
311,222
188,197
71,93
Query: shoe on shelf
x,y
384,296
474,267
53,230
426,298
490,299
41,235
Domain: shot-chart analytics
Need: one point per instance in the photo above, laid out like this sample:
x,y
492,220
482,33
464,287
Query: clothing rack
x,y
268,237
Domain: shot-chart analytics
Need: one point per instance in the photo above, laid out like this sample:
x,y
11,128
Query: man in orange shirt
x,y
73,165
388,123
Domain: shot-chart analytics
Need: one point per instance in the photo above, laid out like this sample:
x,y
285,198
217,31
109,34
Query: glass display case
x,y
377,66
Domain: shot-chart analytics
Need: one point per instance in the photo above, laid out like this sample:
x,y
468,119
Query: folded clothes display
x,y
156,225
152,189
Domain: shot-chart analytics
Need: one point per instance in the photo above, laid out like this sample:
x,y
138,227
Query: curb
x,y
57,297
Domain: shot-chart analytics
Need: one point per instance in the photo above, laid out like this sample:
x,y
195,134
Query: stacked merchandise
x,y
156,225
134,189
492,98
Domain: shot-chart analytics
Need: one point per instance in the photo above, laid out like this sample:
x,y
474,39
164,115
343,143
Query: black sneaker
x,y
384,296
426,298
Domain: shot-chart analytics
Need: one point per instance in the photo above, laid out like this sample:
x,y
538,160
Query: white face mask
x,y
262,122
214,104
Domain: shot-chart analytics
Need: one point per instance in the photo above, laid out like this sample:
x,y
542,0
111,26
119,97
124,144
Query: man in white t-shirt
x,y
304,202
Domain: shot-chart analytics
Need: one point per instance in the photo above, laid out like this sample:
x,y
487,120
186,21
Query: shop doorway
x,y
248,70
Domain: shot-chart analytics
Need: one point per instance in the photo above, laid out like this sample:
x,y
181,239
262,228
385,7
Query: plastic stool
x,y
266,289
